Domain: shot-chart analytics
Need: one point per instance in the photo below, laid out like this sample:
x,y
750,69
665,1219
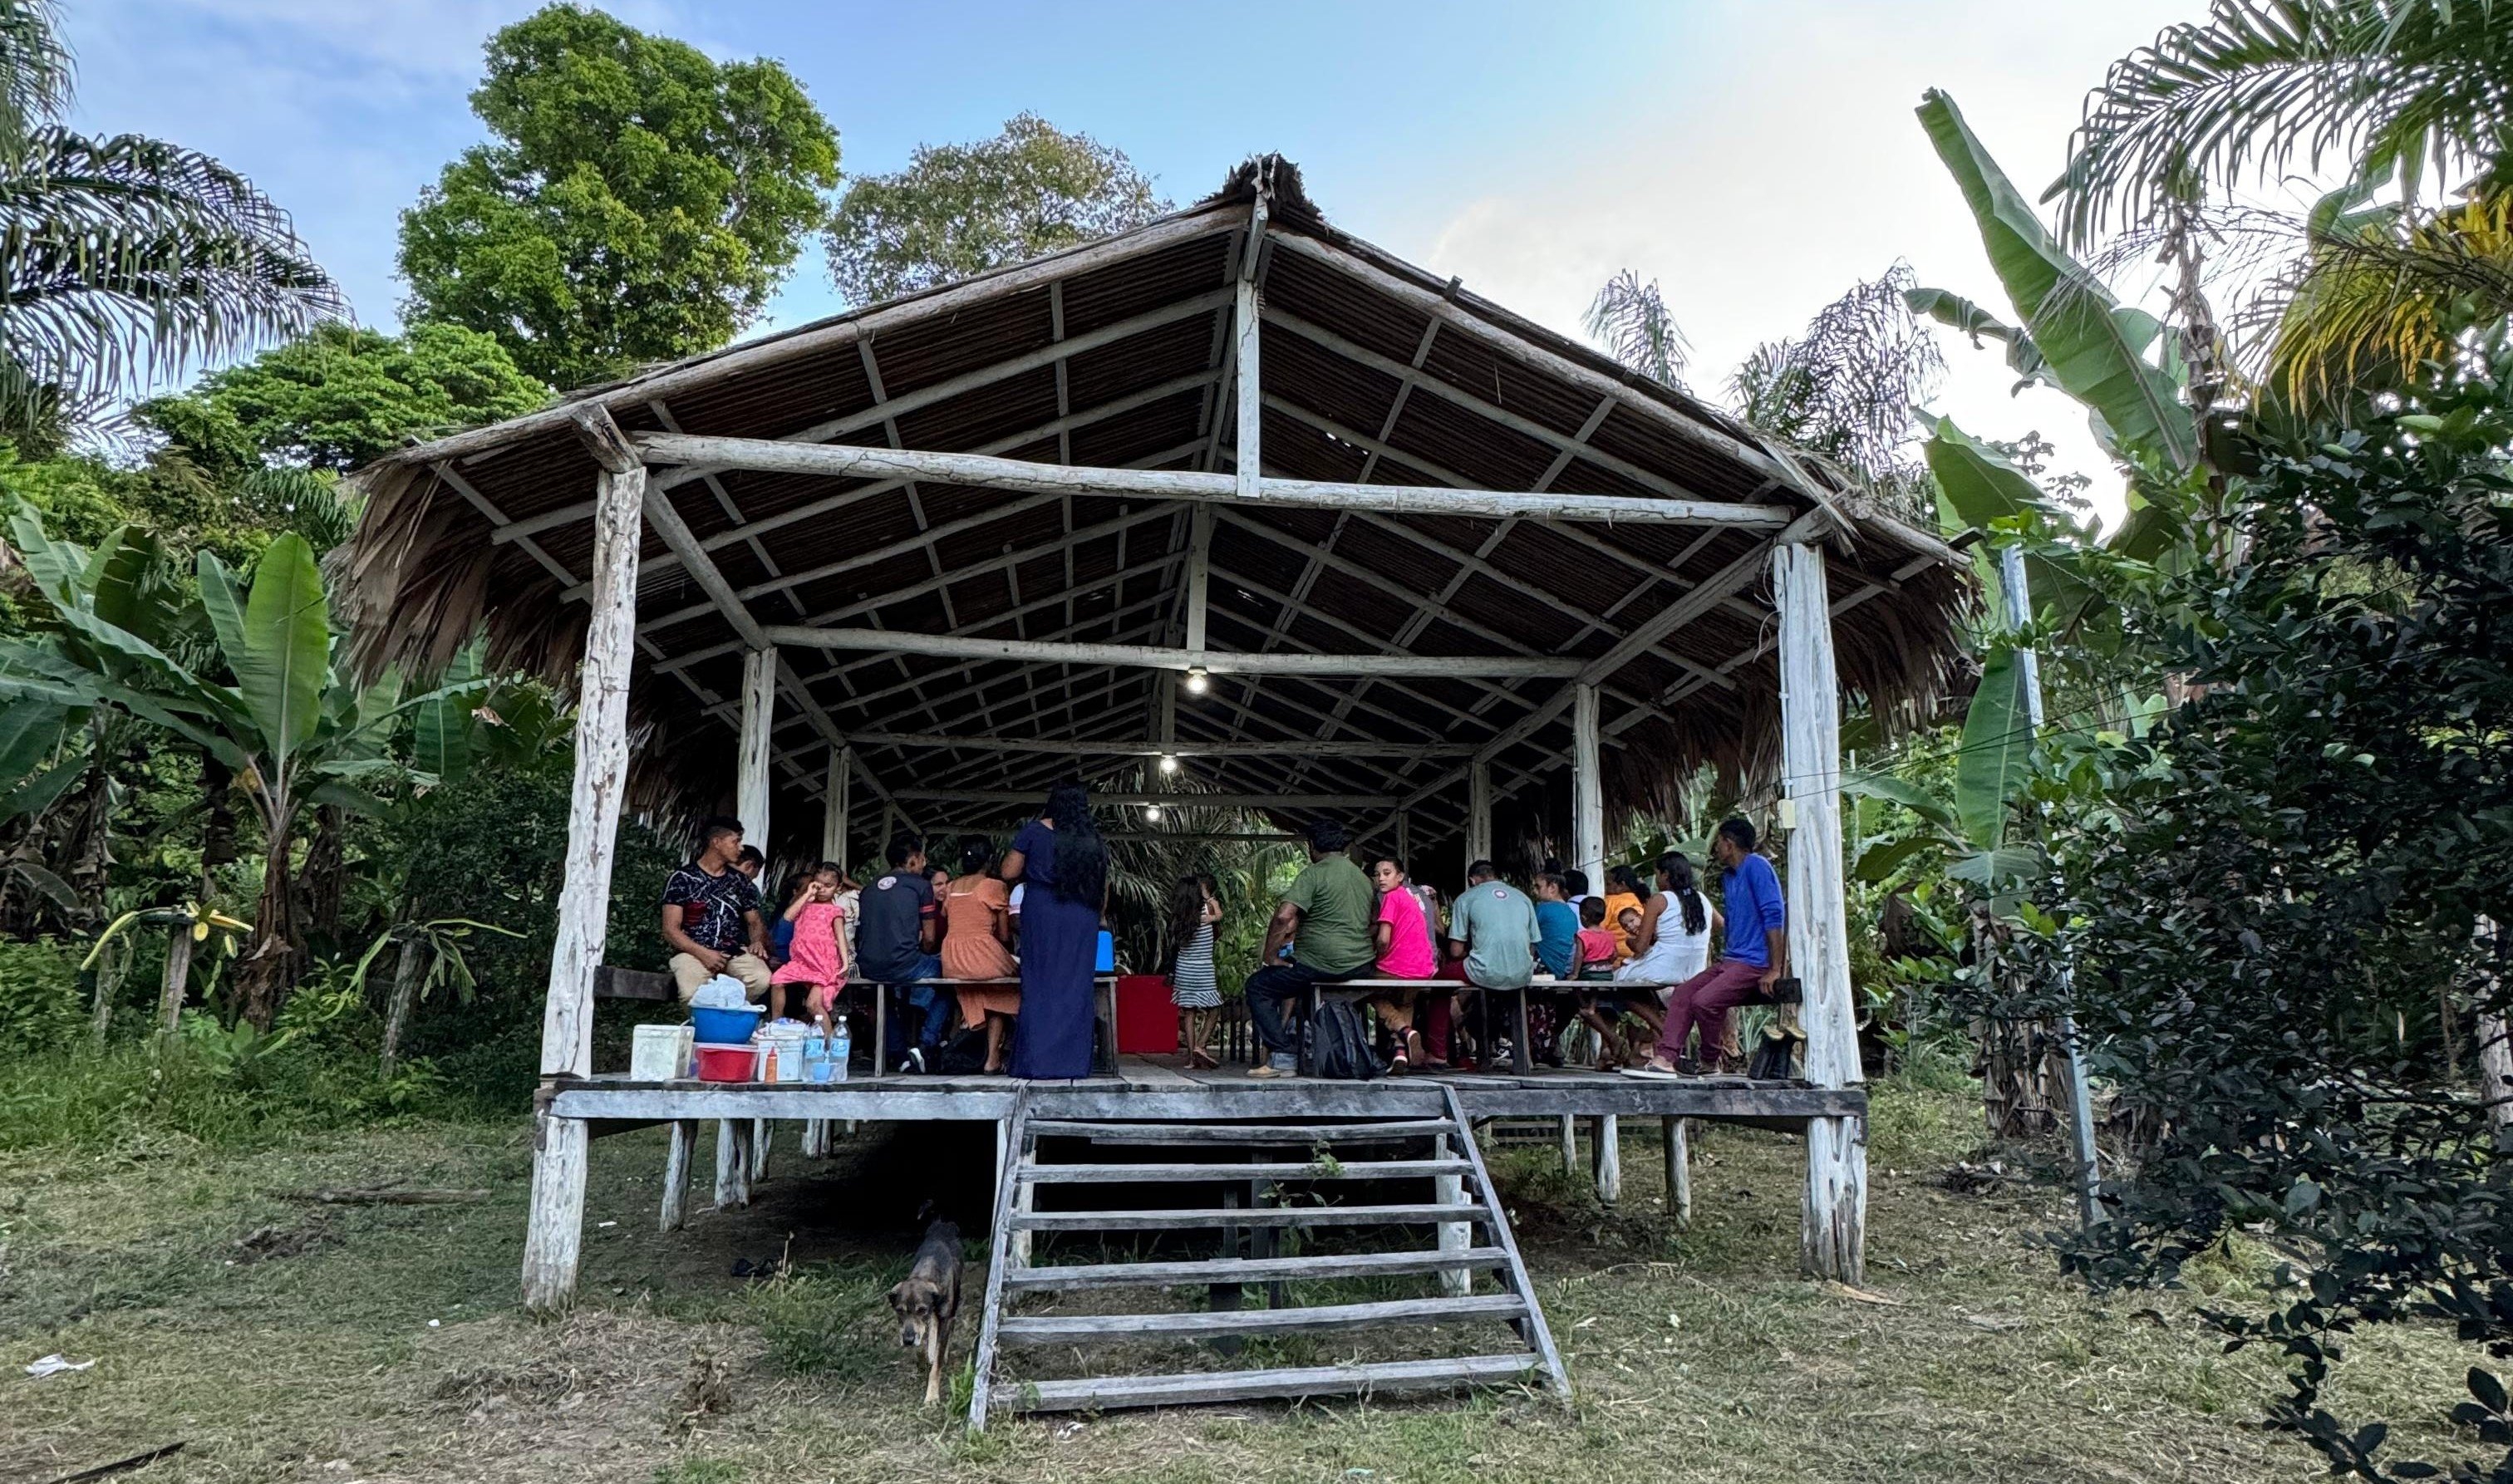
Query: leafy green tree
x,y
123,256
962,208
1631,318
637,202
344,396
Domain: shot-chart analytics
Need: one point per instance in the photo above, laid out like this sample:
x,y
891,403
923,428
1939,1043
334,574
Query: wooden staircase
x,y
1272,1179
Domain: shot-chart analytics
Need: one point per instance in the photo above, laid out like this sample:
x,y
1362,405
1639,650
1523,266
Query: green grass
x,y
279,1339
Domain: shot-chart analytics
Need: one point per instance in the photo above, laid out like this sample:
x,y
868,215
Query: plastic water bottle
x,y
840,1048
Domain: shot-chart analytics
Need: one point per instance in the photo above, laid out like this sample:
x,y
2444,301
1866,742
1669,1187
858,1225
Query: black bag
x,y
963,1053
1775,1059
1336,1044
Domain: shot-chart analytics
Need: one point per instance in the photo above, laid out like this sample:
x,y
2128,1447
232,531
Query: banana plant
x,y
431,959
294,727
1964,834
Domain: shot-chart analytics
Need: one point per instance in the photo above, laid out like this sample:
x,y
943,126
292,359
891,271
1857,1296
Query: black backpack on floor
x,y
1336,1044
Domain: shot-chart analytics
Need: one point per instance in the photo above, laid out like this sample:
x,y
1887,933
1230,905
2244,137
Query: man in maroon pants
x,y
1757,954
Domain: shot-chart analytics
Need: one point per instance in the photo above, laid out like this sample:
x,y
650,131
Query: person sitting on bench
x,y
1757,953
898,928
1405,951
1328,918
1492,925
711,916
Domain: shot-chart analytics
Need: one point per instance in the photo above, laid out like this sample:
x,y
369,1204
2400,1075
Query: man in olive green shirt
x,y
1326,918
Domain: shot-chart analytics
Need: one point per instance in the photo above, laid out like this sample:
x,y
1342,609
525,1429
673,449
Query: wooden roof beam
x,y
1216,661
981,471
1185,751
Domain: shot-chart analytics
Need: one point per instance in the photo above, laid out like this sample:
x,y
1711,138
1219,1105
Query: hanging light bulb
x,y
1168,762
1197,681
1151,814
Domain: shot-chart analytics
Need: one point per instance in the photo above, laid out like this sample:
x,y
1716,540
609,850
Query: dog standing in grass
x,y
928,1300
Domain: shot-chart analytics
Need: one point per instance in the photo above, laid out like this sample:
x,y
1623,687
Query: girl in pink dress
x,y
818,960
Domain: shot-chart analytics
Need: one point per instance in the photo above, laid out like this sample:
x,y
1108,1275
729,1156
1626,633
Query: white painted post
x,y
758,720
1252,401
1678,1136
1199,574
554,1230
1587,790
676,1174
834,820
1606,1155
1832,1241
1479,828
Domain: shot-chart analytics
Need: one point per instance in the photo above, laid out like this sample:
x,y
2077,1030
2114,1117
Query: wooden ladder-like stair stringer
x,y
1473,1235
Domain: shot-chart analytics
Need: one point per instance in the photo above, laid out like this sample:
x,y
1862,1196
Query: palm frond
x,y
1631,319
2378,294
1844,389
35,73
127,259
2406,87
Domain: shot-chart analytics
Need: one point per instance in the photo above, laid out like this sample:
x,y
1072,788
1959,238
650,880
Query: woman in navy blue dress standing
x,y
1065,862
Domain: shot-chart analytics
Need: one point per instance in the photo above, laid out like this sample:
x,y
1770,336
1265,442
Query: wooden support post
x,y
732,1188
676,1174
554,1230
762,1134
1479,800
1832,1242
1405,837
1587,790
1605,1156
1455,1236
758,722
178,969
1569,1143
1252,400
833,819
1678,1135
1199,574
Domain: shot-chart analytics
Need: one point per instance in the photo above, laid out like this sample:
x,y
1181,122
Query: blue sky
x,y
1753,157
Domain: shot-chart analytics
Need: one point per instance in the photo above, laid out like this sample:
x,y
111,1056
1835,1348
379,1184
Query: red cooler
x,y
1146,1020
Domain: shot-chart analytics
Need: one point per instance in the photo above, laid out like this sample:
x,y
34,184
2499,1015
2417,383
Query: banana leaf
x,y
1997,751
1947,308
1902,791
2096,348
286,647
1882,860
1981,487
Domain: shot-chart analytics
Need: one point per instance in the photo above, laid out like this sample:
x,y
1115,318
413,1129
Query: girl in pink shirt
x,y
1403,953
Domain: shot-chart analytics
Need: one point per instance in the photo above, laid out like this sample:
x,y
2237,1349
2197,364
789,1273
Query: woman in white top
x,y
1673,944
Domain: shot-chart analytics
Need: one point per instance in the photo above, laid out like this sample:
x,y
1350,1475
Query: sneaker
x,y
1269,1069
914,1061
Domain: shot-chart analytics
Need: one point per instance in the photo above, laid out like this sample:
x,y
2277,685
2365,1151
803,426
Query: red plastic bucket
x,y
727,1063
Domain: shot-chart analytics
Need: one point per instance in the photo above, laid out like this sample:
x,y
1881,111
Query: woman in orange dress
x,y
977,944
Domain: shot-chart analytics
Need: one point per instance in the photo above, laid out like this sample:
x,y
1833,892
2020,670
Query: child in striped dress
x,y
1195,908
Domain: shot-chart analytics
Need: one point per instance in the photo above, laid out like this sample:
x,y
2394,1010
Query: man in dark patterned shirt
x,y
711,916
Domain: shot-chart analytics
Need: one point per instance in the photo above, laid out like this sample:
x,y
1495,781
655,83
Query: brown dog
x,y
928,1300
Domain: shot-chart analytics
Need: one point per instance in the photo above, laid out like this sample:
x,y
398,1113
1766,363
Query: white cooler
x,y
660,1053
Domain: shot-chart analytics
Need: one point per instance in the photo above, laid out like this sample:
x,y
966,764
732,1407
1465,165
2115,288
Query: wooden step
x,y
1243,1133
1383,1378
1244,1216
1185,1274
1178,1174
1053,1329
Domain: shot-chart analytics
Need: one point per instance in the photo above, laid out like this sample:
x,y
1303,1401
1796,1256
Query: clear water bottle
x,y
840,1048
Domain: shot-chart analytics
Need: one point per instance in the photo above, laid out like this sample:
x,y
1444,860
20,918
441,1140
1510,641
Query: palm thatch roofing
x,y
1117,354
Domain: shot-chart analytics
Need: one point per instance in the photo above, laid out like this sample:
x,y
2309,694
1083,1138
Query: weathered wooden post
x,y
554,1230
178,969
1678,1136
1587,789
1479,835
1832,1242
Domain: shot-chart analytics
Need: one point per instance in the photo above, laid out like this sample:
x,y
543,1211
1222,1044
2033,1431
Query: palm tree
x,y
1633,321
2403,94
122,257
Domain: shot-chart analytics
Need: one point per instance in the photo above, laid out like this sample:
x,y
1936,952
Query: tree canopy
x,y
962,208
638,201
344,396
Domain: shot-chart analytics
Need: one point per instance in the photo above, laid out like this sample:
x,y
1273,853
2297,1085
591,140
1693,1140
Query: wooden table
x,y
1103,988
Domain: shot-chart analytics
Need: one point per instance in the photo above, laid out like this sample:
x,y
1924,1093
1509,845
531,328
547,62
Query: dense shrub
x,y
40,1003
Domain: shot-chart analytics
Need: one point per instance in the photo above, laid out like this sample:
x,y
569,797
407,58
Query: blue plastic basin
x,y
725,1027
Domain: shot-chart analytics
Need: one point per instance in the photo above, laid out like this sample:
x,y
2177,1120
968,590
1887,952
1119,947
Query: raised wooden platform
x,y
1159,1087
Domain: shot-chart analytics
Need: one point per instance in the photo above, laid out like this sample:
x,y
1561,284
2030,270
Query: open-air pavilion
x,y
1232,487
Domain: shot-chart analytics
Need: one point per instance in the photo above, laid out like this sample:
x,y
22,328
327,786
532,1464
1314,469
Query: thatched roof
x,y
1373,371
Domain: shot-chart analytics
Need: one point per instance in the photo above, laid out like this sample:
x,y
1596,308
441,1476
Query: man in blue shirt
x,y
1756,956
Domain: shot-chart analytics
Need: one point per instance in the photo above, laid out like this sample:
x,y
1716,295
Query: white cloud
x,y
1758,199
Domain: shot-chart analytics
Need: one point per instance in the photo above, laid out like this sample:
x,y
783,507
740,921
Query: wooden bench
x,y
1103,1053
1521,1050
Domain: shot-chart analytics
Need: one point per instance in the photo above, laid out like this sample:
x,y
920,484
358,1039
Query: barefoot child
x,y
818,963
1194,910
